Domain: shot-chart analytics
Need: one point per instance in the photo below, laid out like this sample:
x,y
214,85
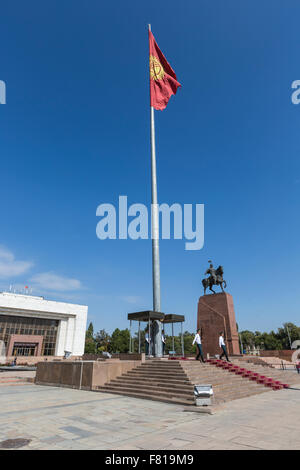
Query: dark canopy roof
x,y
171,318
151,315
146,316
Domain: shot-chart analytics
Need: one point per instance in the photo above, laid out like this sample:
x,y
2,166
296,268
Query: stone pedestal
x,y
215,314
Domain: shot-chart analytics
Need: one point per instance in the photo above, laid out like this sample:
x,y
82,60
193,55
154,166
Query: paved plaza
x,y
62,418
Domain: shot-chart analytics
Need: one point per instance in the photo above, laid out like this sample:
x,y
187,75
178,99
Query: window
x,y
27,326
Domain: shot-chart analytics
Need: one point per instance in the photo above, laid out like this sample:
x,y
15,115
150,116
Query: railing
x,y
284,366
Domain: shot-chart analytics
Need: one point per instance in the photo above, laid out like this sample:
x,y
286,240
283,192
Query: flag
x,y
163,81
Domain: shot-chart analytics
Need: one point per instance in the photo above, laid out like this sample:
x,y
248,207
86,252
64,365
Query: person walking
x,y
223,346
298,367
197,340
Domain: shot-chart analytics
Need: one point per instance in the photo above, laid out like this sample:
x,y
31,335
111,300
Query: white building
x,y
33,326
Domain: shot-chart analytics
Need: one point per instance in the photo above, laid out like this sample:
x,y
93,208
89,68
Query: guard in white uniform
x,y
197,340
223,346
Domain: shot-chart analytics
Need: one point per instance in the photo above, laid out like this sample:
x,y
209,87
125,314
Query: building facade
x,y
33,326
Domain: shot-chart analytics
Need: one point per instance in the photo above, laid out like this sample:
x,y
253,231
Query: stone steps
x,y
173,382
221,396
157,375
262,374
283,376
188,388
153,385
151,381
174,400
225,381
148,390
166,382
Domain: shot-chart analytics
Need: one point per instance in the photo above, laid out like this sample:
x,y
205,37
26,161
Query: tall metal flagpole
x,y
157,333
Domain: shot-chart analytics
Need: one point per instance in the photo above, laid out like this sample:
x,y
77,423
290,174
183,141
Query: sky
x,y
74,133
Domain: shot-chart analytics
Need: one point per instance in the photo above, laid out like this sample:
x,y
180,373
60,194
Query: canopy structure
x,y
146,316
149,316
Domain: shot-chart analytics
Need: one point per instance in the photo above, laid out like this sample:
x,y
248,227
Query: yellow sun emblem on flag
x,y
156,69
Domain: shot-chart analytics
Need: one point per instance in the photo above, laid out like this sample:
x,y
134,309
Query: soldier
x,y
197,340
223,346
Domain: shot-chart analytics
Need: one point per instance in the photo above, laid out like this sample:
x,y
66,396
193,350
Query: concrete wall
x,y
86,375
65,374
282,354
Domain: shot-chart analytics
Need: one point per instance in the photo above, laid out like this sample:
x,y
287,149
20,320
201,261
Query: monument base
x,y
216,314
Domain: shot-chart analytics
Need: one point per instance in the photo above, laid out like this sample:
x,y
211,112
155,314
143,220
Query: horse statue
x,y
215,279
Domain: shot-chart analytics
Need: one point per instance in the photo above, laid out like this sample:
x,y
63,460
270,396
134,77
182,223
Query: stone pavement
x,y
62,418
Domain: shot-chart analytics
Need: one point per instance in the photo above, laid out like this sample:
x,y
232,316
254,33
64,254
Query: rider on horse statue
x,y
212,272
215,278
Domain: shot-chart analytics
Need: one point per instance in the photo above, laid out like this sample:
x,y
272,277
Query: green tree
x,y
90,346
120,341
169,344
103,341
189,348
270,341
142,339
90,331
247,338
288,334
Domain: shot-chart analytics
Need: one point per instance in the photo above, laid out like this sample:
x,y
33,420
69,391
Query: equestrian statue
x,y
215,278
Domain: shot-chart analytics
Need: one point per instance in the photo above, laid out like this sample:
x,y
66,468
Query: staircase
x,y
173,382
271,361
283,376
156,380
226,386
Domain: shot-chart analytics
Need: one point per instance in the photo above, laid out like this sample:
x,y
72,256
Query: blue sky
x,y
75,133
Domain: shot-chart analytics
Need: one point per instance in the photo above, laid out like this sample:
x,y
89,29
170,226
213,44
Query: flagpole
x,y
155,237
155,219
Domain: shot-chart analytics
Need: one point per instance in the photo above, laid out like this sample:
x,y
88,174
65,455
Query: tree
x,y
103,341
247,338
270,341
169,344
90,331
190,349
90,346
288,334
142,339
120,341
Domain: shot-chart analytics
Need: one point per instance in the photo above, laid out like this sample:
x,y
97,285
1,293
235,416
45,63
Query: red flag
x,y
163,81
